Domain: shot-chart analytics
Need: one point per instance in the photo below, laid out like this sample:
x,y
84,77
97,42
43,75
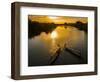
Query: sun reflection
x,y
54,35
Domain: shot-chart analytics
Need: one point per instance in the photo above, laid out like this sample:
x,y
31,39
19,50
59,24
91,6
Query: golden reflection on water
x,y
54,34
70,36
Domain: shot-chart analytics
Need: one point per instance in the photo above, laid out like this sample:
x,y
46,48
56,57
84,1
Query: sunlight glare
x,y
52,17
53,34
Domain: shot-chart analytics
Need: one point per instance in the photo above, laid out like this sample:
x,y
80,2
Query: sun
x,y
54,35
52,17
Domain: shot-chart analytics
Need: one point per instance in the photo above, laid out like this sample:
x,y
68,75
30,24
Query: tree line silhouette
x,y
35,28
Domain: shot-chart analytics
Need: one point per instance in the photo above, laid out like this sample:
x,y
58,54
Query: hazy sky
x,y
57,19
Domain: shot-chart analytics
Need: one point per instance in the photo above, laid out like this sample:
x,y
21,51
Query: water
x,y
42,48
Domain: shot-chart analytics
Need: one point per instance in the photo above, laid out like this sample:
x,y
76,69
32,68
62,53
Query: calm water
x,y
42,47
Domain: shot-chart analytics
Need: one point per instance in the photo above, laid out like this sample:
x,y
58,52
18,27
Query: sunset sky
x,y
57,19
